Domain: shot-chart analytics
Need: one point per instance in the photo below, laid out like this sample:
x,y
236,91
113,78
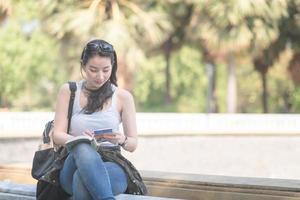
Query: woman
x,y
98,104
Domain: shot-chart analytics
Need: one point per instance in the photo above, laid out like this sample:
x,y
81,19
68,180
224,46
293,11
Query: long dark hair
x,y
97,98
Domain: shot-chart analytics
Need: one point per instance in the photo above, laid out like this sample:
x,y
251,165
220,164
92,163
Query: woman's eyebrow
x,y
95,67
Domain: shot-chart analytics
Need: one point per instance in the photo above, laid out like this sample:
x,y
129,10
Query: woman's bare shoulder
x,y
64,90
124,95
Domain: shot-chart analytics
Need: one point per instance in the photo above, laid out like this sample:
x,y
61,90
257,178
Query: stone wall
x,y
245,156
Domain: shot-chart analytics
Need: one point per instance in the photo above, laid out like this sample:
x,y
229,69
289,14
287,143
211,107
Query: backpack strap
x,y
73,88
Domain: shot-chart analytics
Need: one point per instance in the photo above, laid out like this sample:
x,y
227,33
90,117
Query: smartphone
x,y
103,131
102,135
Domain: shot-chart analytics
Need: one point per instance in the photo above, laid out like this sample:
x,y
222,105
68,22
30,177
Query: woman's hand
x,y
88,133
115,137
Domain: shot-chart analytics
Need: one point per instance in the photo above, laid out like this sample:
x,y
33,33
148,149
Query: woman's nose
x,y
100,75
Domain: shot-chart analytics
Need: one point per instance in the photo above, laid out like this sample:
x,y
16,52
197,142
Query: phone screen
x,y
103,131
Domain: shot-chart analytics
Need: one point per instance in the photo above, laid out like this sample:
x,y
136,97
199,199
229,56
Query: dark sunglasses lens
x,y
101,46
93,46
107,47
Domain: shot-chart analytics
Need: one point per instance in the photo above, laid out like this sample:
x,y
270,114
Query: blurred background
x,y
175,56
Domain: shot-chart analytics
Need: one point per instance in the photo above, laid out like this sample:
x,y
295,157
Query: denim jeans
x,y
86,176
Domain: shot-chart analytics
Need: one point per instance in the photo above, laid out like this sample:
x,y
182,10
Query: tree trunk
x,y
231,85
212,106
168,98
167,47
264,92
262,67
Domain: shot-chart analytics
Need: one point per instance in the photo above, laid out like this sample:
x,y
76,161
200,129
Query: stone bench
x,y
173,185
213,187
17,191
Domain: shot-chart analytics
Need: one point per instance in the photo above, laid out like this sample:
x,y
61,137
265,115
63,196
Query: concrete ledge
x,y
31,124
10,190
211,187
163,185
9,196
17,173
16,191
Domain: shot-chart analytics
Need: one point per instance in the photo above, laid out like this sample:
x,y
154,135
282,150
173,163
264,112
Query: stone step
x,y
16,191
215,187
179,186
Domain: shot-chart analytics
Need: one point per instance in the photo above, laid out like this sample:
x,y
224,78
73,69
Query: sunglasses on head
x,y
101,46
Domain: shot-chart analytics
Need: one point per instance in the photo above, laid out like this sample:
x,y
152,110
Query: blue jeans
x,y
86,176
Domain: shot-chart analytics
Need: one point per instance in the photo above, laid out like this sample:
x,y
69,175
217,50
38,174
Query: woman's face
x,y
97,70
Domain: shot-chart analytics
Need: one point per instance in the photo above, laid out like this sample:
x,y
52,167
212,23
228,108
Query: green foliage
x,y
30,69
149,84
295,99
282,91
249,87
188,79
34,64
284,95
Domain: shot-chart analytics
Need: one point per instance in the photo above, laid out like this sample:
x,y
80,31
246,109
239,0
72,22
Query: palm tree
x,y
293,35
288,35
179,14
208,32
238,26
130,25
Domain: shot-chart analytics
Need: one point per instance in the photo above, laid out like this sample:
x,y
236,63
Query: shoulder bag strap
x,y
73,87
49,125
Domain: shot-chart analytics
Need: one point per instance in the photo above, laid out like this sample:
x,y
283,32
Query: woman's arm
x,y
60,135
128,115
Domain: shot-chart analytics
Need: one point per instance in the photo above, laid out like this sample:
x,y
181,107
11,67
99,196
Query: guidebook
x,y
100,136
79,139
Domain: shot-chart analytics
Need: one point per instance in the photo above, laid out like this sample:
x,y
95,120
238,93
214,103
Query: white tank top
x,y
106,119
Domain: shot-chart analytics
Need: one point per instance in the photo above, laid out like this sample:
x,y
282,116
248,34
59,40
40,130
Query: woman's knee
x,y
82,147
84,152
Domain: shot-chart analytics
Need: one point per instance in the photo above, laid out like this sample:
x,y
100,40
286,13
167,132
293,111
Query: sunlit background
x,y
174,55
